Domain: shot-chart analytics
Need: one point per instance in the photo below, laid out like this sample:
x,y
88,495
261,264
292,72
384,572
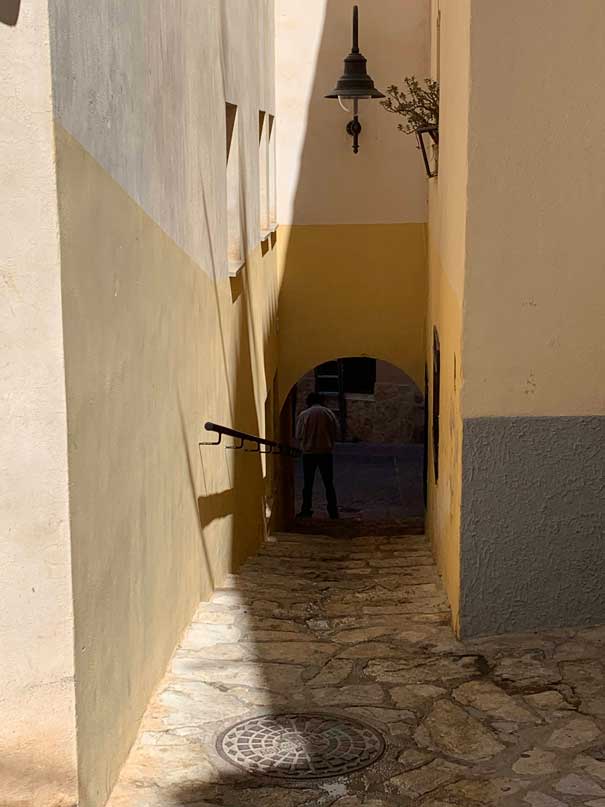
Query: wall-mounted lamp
x,y
431,132
355,84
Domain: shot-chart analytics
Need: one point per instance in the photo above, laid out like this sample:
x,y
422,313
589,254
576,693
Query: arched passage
x,y
379,456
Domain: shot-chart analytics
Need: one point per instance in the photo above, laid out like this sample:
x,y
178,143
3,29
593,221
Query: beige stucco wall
x,y
535,284
447,266
321,181
37,730
158,339
352,244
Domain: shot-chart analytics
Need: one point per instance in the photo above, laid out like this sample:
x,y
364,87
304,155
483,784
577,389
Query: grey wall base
x,y
533,523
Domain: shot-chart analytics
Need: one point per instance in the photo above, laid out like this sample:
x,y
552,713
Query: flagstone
x,y
202,635
416,696
382,714
579,731
575,785
424,670
272,676
536,799
486,793
594,706
466,723
586,677
269,797
258,697
551,701
277,636
361,634
353,694
370,650
528,671
215,617
293,652
334,672
413,758
487,697
420,781
595,767
195,702
536,762
457,734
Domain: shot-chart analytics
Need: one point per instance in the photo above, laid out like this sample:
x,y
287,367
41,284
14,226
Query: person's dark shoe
x,y
304,514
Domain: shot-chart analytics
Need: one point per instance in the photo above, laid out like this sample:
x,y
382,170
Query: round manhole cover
x,y
301,746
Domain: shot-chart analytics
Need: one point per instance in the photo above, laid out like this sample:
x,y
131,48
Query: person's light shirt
x,y
317,430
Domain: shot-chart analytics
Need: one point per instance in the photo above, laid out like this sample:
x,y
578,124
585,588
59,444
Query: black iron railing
x,y
243,438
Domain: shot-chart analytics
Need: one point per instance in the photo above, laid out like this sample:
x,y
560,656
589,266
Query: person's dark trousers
x,y
325,464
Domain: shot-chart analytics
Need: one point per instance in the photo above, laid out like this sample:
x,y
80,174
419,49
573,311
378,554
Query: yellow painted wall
x,y
157,338
450,27
153,348
535,283
444,495
351,290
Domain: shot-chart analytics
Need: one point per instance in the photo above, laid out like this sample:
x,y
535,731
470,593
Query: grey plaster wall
x,y
533,523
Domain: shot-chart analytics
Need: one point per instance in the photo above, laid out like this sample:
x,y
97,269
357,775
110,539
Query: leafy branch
x,y
417,104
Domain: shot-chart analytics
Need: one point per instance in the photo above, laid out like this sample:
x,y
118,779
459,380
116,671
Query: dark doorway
x,y
436,400
379,455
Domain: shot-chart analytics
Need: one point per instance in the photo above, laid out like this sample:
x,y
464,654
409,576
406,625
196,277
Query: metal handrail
x,y
244,437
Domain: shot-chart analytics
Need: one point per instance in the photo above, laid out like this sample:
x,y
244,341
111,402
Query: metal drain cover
x,y
301,746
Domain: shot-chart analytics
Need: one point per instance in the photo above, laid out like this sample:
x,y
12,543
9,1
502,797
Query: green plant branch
x,y
418,104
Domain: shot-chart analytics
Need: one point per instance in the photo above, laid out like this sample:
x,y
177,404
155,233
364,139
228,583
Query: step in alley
x,y
326,673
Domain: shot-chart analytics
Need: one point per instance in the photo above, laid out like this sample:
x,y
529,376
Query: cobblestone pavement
x,y
360,628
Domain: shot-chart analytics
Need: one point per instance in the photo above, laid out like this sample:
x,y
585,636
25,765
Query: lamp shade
x,y
355,81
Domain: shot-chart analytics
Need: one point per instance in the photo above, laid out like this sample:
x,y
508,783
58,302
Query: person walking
x,y
316,432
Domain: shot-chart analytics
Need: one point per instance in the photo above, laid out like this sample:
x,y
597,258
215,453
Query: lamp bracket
x,y
354,129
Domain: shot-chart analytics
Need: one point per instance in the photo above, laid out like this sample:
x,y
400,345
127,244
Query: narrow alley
x,y
340,653
220,219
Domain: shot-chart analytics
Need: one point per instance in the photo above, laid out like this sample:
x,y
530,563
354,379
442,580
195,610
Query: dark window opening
x,y
436,399
327,378
359,376
355,376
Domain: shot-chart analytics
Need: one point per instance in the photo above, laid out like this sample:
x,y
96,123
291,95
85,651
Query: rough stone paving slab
x,y
359,629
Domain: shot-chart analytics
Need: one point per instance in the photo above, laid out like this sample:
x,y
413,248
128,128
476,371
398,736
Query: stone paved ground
x,y
360,627
373,481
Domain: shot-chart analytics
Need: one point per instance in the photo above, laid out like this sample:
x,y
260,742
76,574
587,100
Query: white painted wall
x,y
134,80
37,730
320,180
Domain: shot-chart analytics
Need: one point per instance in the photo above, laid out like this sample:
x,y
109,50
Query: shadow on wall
x,y
253,670
242,502
9,11
247,669
354,259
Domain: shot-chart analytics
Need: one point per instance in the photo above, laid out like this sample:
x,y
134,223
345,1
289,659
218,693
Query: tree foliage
x,y
418,104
